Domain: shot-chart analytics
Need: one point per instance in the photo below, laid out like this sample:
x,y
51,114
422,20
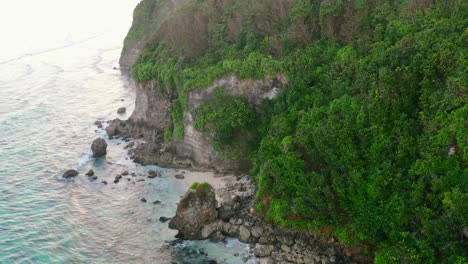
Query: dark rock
x,y
130,145
157,202
104,182
153,174
121,110
125,173
99,147
116,181
90,173
118,177
179,176
218,237
133,174
93,178
196,209
98,124
164,219
140,180
143,200
70,174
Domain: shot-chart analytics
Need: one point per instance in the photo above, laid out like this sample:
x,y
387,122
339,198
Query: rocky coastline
x,y
232,214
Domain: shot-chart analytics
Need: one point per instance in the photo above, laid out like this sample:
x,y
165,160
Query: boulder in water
x,y
121,110
196,209
90,173
70,174
99,147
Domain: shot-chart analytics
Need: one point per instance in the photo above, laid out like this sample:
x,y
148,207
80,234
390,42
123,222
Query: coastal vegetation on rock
x,y
369,140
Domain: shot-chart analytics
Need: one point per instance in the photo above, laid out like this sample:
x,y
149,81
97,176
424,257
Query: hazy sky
x,y
32,25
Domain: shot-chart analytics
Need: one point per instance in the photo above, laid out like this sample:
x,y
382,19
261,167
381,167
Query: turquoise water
x,y
50,95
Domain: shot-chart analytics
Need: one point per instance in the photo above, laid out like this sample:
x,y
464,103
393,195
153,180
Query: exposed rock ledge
x,y
235,216
152,118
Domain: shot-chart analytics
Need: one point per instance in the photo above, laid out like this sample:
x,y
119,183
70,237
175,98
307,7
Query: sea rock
x,y
98,124
218,237
70,174
130,145
93,178
117,127
157,202
104,182
196,209
125,173
263,250
143,200
121,110
179,176
118,177
164,219
99,147
90,173
153,174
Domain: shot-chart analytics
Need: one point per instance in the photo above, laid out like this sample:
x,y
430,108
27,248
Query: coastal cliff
x,y
350,115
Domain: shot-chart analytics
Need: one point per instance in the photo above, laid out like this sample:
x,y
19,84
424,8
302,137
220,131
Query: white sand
x,y
218,181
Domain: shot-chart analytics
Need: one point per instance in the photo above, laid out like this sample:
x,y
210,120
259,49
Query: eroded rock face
x,y
196,209
99,147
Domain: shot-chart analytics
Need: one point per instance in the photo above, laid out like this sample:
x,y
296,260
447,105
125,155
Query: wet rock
x,y
98,124
196,209
117,127
118,177
121,110
70,174
157,202
164,219
153,174
140,180
90,173
143,200
129,145
218,237
116,181
125,173
93,178
263,250
179,176
99,147
104,182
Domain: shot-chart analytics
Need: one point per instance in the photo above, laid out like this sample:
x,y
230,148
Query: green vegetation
x,y
204,186
224,117
370,138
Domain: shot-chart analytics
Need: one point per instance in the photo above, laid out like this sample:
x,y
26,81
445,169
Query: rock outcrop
x,y
196,209
99,147
152,118
236,217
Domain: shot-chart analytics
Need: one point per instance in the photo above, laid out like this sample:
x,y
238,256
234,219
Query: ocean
x,y
58,75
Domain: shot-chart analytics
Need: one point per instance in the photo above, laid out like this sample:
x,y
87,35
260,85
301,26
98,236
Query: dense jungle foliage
x,y
368,140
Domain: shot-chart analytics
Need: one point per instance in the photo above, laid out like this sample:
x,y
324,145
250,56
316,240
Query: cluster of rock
x,y
200,216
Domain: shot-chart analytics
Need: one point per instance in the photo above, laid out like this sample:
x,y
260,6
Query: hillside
x,y
350,114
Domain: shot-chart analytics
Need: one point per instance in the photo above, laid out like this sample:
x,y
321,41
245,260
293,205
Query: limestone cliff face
x,y
152,116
